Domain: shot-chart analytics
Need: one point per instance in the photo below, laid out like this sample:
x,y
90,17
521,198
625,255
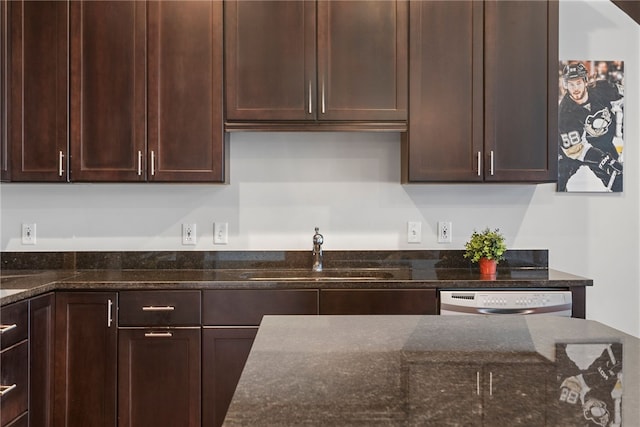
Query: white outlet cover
x,y
444,232
189,236
28,234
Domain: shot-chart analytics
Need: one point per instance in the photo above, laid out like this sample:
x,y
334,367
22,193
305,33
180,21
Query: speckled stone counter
x,y
27,274
409,370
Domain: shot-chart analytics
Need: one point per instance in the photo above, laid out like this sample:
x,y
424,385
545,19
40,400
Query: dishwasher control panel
x,y
505,302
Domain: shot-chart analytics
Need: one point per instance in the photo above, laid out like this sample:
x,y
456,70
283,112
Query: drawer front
x,y
159,308
378,301
15,323
14,378
245,307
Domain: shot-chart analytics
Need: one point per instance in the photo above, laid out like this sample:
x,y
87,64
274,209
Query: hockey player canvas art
x,y
590,127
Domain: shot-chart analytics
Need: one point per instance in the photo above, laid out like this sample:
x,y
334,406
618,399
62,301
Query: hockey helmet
x,y
574,71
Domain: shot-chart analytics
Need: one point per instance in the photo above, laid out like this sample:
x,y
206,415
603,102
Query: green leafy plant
x,y
486,244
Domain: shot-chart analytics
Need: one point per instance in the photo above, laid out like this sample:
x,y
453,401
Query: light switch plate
x,y
414,232
221,233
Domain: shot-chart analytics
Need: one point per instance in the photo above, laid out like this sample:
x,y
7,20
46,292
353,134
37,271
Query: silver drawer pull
x,y
4,389
158,334
7,328
60,163
158,308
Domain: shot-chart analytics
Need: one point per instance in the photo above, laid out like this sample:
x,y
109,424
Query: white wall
x,y
283,184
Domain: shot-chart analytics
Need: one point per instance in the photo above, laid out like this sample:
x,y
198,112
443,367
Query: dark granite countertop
x,y
24,275
377,370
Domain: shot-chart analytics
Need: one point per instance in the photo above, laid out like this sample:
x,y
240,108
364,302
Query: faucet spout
x,y
317,251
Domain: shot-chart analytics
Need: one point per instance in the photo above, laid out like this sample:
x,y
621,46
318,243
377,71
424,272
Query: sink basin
x,y
306,275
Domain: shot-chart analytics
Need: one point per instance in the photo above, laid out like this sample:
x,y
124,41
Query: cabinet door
x,y
108,90
362,60
39,89
185,91
444,394
521,60
159,377
4,146
378,301
515,394
85,359
444,141
224,354
41,350
270,64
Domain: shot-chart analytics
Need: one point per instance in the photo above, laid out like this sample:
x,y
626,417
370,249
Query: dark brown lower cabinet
x,y
159,377
378,301
224,353
41,351
85,359
231,318
474,394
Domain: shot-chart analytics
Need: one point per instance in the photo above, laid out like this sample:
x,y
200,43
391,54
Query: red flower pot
x,y
487,266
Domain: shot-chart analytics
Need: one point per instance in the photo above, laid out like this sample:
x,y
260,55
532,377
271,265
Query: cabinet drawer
x,y
159,308
235,307
378,301
14,364
15,323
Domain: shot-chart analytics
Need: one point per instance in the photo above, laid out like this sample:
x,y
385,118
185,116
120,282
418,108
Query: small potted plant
x,y
487,248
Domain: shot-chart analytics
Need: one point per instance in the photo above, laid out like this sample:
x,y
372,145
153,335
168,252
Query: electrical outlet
x,y
444,232
189,234
221,233
29,234
414,232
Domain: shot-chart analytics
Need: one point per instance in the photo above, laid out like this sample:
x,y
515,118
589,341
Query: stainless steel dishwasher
x,y
505,301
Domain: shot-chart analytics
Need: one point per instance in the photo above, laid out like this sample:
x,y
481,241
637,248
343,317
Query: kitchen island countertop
x,y
375,370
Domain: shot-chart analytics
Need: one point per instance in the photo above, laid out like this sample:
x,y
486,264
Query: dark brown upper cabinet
x,y
108,81
185,130
146,91
484,98
37,92
315,62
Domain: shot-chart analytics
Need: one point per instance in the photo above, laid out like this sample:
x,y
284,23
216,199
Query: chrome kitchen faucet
x,y
317,251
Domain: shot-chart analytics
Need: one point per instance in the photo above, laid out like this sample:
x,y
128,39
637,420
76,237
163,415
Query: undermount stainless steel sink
x,y
327,274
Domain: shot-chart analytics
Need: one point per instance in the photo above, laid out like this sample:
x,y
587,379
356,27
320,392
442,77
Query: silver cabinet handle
x,y
153,163
109,313
139,162
491,162
4,389
7,328
310,99
478,383
60,163
323,109
158,334
158,308
479,163
490,383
